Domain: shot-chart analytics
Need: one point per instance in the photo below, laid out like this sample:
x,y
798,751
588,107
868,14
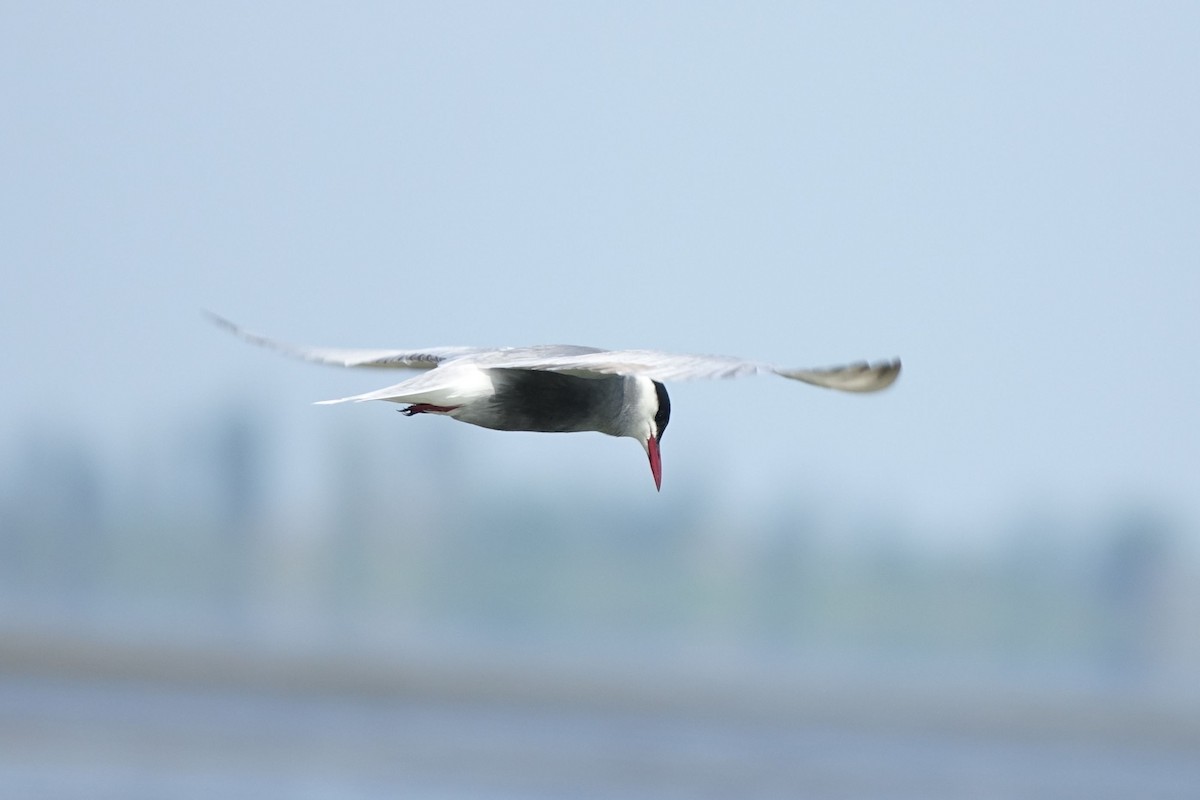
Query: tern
x,y
559,388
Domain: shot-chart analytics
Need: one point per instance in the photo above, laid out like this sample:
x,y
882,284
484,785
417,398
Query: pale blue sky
x,y
1005,195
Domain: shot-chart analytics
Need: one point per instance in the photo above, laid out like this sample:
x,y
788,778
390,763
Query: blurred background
x,y
984,582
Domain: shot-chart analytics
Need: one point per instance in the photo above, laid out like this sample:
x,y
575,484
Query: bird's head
x,y
656,413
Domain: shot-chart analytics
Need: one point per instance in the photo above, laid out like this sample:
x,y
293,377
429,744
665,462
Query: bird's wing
x,y
857,377
649,363
452,385
425,358
583,361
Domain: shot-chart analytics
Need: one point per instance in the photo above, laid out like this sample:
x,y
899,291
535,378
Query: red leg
x,y
426,408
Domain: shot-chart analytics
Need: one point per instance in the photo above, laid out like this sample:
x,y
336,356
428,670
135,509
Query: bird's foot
x,y
426,408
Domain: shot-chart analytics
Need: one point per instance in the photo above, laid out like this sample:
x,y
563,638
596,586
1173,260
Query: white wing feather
x,y
656,365
426,358
647,363
450,385
856,377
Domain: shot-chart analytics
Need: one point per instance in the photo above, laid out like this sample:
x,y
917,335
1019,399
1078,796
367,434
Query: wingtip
x,y
889,372
249,336
220,322
859,377
884,374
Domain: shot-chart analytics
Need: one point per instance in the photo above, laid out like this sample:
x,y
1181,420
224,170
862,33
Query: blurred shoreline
x,y
736,693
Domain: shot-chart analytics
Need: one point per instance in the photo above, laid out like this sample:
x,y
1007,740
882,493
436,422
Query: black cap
x,y
664,409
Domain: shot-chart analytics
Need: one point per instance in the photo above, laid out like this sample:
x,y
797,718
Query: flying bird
x,y
559,388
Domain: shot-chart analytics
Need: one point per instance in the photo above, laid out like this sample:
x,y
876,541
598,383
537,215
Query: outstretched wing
x,y
659,366
425,358
583,361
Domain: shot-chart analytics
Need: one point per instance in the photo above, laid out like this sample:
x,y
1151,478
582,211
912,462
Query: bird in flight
x,y
558,388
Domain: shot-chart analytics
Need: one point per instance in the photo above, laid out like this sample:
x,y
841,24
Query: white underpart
x,y
647,407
